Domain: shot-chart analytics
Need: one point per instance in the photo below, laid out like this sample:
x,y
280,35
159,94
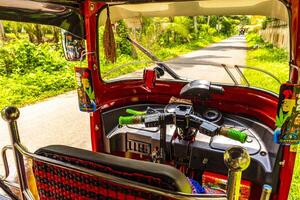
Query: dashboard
x,y
200,153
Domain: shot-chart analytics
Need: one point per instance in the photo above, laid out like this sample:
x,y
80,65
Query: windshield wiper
x,y
162,65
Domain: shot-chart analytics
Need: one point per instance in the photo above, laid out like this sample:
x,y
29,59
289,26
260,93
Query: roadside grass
x,y
274,60
269,58
30,88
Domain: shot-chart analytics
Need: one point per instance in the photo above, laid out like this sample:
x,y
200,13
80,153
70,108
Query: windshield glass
x,y
214,48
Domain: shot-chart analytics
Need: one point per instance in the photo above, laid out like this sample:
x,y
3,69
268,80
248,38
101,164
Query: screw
x,y
263,153
94,67
281,163
92,7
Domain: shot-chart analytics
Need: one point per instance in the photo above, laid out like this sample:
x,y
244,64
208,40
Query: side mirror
x,y
74,46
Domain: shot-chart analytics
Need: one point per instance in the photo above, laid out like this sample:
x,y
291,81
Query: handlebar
x,y
233,134
126,120
135,112
153,120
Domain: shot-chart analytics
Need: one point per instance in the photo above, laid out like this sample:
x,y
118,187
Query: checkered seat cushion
x,y
55,182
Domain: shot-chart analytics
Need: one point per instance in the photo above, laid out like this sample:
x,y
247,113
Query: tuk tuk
x,y
156,134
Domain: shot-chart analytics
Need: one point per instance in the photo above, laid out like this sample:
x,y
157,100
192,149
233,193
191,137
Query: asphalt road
x,y
205,63
58,120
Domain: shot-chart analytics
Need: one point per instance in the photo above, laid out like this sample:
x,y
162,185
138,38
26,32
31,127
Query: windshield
x,y
213,48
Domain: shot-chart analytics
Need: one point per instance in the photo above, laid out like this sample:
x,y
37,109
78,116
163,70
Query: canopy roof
x,y
66,13
61,13
271,8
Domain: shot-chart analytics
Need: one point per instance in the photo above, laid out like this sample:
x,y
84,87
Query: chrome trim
x,y
183,79
5,163
229,66
230,74
12,184
242,75
11,114
261,70
20,167
7,190
237,160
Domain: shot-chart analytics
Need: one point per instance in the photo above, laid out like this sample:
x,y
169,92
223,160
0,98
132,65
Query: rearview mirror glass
x,y
74,46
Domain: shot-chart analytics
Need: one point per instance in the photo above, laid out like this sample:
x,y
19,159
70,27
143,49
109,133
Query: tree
x,y
34,32
123,44
2,32
195,24
38,33
56,32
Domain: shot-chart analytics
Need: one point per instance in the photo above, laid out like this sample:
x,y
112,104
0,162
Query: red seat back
x,y
55,182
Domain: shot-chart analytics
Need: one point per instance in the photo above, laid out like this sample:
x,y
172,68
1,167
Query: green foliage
x,y
228,26
32,68
266,51
34,32
166,37
30,72
266,21
207,30
172,31
22,56
254,40
29,88
267,57
123,45
244,20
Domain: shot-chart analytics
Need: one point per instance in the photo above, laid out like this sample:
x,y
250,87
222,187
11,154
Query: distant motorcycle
x,y
242,31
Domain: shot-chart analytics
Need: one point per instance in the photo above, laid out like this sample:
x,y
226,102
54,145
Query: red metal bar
x,y
286,172
295,23
90,10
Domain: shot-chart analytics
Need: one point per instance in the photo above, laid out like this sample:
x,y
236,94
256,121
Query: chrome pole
x,y
237,160
266,192
5,163
11,114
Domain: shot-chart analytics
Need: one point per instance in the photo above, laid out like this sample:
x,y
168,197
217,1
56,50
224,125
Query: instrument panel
x,y
203,152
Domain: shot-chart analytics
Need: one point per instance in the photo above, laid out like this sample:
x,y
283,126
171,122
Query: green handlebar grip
x,y
135,112
123,120
237,135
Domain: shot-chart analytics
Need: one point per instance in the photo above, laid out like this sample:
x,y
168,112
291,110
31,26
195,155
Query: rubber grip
x,y
237,135
135,112
123,120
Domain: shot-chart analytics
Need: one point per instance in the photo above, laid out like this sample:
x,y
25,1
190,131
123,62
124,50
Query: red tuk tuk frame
x,y
120,92
236,100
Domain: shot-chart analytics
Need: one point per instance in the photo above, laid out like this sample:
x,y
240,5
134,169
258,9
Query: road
x,y
58,120
206,62
201,64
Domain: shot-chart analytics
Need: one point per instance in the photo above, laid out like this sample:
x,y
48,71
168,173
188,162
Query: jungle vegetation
x,y
32,64
168,37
